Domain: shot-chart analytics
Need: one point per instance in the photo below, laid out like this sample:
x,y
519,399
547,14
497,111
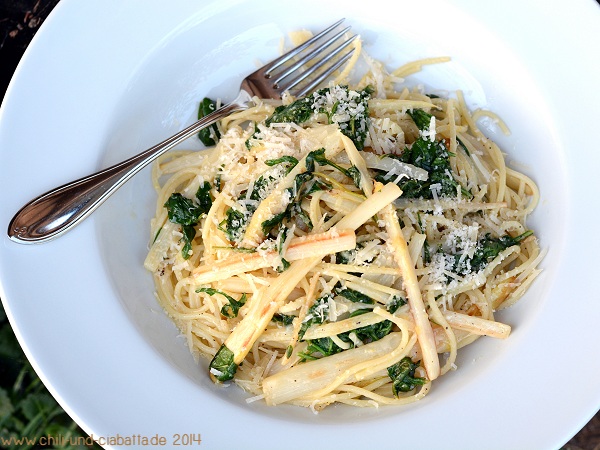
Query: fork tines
x,y
328,45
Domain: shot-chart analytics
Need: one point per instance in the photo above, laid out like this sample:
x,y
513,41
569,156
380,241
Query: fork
x,y
298,72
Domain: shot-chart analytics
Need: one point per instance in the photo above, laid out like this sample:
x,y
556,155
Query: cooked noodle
x,y
326,267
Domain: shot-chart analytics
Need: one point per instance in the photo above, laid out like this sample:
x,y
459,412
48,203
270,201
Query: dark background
x,y
19,20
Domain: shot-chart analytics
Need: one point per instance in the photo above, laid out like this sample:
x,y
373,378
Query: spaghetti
x,y
343,246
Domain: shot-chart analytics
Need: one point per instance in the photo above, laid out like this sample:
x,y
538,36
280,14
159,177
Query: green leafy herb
x,y
186,212
297,112
297,212
345,256
318,156
261,188
284,319
487,249
317,314
421,118
289,160
352,295
281,238
231,309
305,183
395,303
236,220
403,377
204,198
182,210
189,233
342,106
372,333
289,351
211,134
322,347
222,366
319,348
354,174
273,222
233,224
433,157
463,146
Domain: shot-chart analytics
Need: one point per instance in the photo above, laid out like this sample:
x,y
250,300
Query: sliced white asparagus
x,y
352,323
341,326
370,207
165,238
477,325
357,160
430,205
319,245
304,379
336,200
423,328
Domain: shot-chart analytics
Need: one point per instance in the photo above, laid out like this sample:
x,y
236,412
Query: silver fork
x,y
59,210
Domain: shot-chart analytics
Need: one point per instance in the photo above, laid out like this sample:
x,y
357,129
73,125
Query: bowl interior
x,y
200,58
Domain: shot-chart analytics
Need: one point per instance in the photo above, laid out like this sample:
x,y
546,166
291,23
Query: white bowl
x,y
103,80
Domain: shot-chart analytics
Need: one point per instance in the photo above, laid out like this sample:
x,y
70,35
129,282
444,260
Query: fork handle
x,y
57,211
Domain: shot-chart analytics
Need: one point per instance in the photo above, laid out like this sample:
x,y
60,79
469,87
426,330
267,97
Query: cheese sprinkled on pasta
x,y
343,246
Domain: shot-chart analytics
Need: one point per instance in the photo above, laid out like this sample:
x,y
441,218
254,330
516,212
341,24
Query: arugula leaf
x,y
352,295
349,110
345,256
233,224
463,146
305,183
434,158
211,134
298,213
322,347
319,348
235,220
372,333
318,156
289,160
231,309
403,377
395,303
281,238
487,249
189,233
274,221
222,366
297,112
204,198
421,118
317,314
182,210
284,319
187,213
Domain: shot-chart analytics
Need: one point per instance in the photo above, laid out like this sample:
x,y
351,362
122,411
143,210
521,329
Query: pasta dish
x,y
342,247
